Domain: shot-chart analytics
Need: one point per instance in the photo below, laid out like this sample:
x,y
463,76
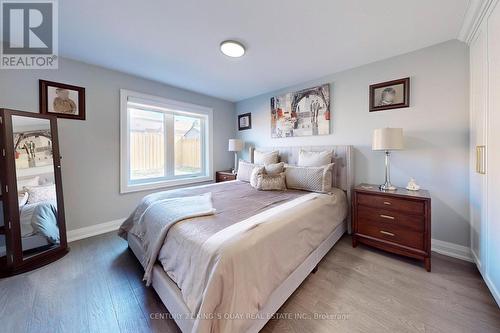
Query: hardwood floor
x,y
97,288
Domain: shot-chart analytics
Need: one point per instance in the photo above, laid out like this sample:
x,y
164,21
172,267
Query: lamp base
x,y
387,187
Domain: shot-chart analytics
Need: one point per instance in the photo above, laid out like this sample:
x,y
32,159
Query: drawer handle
x,y
387,203
387,217
387,233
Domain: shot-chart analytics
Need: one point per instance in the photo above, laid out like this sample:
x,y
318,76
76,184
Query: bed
x,y
248,279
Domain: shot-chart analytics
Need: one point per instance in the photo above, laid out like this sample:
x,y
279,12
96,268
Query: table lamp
x,y
387,139
236,145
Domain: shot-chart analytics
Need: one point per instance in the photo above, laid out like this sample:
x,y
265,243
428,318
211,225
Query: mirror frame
x,y
16,263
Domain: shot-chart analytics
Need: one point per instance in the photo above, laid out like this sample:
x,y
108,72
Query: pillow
x,y
274,169
244,171
315,179
258,170
41,193
271,182
22,199
264,158
27,182
314,158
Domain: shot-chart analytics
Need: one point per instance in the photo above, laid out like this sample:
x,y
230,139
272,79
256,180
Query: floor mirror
x,y
32,224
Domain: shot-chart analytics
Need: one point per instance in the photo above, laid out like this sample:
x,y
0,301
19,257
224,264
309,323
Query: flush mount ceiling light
x,y
232,48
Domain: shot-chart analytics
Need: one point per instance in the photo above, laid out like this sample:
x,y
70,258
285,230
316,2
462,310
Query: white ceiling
x,y
288,41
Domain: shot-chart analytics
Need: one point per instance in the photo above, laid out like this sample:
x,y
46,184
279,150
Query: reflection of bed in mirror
x,y
37,216
36,187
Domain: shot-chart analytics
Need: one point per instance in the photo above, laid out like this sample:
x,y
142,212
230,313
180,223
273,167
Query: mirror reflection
x,y
35,184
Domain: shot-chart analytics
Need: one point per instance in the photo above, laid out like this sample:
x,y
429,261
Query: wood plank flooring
x,y
97,288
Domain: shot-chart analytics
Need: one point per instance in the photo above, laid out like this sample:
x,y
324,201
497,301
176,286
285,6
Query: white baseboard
x,y
493,289
452,250
94,230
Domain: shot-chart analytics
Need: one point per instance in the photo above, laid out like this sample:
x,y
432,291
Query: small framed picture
x,y
390,95
244,121
62,100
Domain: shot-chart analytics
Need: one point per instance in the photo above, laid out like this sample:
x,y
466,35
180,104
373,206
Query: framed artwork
x,y
390,95
62,100
301,113
244,121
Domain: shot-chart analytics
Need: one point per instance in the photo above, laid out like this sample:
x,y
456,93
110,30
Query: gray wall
x,y
435,126
90,148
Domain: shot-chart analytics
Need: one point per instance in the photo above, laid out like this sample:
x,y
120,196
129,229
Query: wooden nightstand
x,y
224,176
397,221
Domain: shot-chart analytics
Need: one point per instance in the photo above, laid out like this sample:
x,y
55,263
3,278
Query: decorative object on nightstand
x,y
387,139
224,176
236,145
412,185
397,222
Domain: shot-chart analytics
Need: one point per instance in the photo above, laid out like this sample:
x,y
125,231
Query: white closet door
x,y
478,105
493,164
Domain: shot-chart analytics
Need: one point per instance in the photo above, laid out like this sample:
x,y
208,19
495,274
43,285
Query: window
x,y
163,142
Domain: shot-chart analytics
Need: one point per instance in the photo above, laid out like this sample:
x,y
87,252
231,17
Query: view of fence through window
x,y
148,145
187,145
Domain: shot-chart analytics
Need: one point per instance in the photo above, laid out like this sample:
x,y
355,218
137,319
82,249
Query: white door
x,y
493,155
478,105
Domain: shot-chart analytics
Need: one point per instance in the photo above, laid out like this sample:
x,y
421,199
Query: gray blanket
x,y
44,221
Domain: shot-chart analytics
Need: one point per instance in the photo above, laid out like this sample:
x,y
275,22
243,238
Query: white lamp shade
x,y
236,145
387,139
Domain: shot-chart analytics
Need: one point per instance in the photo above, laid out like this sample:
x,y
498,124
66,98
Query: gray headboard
x,y
343,177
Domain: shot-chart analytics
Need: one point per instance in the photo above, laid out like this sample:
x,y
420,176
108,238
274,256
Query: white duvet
x,y
232,274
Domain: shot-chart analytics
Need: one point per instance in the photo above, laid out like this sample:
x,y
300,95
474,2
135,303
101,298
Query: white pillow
x,y
244,171
314,158
41,193
22,199
315,179
265,158
27,182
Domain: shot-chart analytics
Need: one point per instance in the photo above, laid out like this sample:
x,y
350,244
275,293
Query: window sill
x,y
125,188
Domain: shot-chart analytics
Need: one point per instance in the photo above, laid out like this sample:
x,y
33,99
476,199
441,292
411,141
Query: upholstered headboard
x,y
343,177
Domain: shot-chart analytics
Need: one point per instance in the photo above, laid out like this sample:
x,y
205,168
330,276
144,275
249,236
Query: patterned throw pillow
x,y
258,170
274,169
265,158
42,193
315,179
314,158
271,182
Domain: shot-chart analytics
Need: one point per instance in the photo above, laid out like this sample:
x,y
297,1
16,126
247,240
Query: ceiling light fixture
x,y
232,48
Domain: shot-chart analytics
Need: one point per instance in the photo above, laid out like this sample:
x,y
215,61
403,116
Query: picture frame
x,y
62,100
390,95
244,121
305,112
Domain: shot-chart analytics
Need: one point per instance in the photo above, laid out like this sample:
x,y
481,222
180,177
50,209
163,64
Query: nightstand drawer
x,y
224,176
374,215
385,202
393,233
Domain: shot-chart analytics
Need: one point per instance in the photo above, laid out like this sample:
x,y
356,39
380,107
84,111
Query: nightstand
x,y
224,176
396,221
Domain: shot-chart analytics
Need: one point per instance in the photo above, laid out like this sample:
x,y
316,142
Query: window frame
x,y
168,107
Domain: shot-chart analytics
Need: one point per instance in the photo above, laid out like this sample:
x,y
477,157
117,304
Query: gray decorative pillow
x,y
41,193
258,170
244,171
271,182
265,158
315,179
274,169
314,158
